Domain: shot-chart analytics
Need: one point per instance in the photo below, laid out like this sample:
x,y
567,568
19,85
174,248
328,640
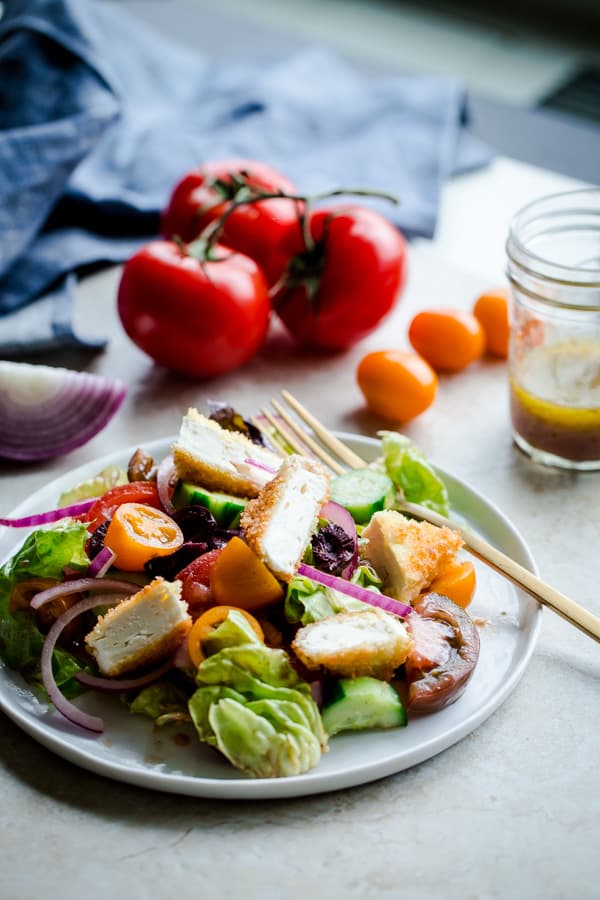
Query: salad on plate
x,y
247,593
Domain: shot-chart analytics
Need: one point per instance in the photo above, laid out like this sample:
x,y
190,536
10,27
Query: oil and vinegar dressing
x,y
555,399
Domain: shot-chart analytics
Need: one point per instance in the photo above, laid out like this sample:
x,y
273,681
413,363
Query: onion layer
x,y
101,563
47,411
83,584
355,590
53,515
119,685
64,706
166,478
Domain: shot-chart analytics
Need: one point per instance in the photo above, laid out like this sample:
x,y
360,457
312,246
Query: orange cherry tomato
x,y
210,620
491,311
449,339
238,576
397,384
457,581
138,533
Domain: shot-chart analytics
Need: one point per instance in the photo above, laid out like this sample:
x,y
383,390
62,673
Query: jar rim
x,y
540,266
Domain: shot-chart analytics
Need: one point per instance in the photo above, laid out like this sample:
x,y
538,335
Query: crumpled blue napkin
x,y
99,117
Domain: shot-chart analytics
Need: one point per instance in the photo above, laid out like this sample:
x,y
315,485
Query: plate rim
x,y
310,783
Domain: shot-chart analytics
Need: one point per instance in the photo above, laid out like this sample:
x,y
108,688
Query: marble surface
x,y
512,811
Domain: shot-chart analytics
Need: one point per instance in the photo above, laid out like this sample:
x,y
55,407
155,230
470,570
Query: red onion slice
x,y
337,514
260,465
355,590
119,685
47,411
53,515
101,563
83,584
166,479
64,706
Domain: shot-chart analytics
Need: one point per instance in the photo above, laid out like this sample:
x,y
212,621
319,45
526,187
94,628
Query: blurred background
x,y
532,68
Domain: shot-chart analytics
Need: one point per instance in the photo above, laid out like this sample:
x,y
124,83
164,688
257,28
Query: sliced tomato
x,y
138,533
139,492
195,578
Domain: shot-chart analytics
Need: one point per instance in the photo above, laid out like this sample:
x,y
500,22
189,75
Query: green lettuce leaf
x,y
307,602
263,739
253,706
412,474
44,554
162,702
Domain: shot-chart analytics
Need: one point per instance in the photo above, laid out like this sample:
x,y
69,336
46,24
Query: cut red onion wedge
x,y
83,584
47,411
101,563
166,479
119,685
337,514
52,515
355,590
64,706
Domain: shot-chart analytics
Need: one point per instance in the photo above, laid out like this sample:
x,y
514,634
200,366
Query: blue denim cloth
x,y
99,117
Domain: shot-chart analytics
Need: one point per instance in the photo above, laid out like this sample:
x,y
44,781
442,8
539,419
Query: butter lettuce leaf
x,y
44,554
307,602
253,706
162,702
412,474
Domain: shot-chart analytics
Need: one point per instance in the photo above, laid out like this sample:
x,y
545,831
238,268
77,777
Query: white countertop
x,y
512,811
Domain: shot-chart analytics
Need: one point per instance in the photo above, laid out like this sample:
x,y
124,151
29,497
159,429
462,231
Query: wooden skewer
x,y
568,609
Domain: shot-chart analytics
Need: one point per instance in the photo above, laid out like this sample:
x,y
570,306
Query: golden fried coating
x,y
370,642
407,555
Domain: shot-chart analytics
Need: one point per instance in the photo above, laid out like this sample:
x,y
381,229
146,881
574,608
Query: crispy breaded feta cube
x,y
141,630
407,555
369,642
206,454
279,523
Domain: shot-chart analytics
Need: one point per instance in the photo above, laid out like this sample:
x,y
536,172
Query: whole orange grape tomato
x,y
491,311
449,339
397,384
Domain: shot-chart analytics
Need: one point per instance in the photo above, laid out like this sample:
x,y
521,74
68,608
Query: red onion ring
x,y
64,706
339,515
82,584
166,478
355,590
116,685
53,515
101,563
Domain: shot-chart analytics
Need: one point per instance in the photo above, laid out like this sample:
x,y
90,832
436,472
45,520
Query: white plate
x,y
173,760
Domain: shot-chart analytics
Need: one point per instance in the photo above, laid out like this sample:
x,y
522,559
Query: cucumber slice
x,y
361,703
226,508
362,492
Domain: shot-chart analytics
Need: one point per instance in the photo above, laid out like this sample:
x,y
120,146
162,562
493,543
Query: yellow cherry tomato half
x,y
449,339
138,533
396,384
491,311
457,581
210,620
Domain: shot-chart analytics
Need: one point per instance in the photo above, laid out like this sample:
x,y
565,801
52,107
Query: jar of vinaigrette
x,y
553,251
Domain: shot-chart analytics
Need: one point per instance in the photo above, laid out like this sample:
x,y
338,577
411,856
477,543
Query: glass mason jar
x,y
553,251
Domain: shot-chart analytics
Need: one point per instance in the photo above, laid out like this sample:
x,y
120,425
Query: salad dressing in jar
x,y
554,362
